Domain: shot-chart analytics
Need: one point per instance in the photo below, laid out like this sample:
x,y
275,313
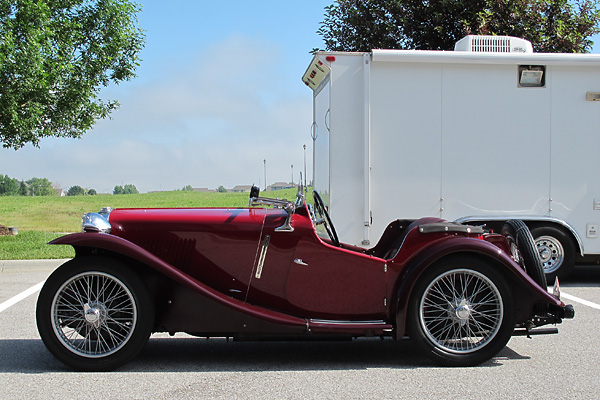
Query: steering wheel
x,y
322,217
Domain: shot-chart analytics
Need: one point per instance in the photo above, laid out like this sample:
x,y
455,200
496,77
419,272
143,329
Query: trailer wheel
x,y
556,251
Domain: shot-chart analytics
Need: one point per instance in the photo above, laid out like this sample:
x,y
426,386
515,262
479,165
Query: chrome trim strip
x,y
263,254
334,322
530,218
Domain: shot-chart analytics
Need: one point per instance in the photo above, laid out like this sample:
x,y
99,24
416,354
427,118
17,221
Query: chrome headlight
x,y
94,222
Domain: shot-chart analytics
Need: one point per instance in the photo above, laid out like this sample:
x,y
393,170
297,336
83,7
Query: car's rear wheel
x,y
94,314
461,312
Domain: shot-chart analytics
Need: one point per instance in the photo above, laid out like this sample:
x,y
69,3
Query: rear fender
x,y
528,291
126,248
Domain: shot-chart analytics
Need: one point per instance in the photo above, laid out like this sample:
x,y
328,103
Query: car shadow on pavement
x,y
189,354
220,355
27,356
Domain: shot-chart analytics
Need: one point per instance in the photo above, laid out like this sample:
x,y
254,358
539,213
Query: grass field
x,y
41,219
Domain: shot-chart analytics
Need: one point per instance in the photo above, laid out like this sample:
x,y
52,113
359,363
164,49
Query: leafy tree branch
x,y
55,57
550,25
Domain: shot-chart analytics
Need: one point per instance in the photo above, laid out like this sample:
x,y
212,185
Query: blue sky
x,y
219,90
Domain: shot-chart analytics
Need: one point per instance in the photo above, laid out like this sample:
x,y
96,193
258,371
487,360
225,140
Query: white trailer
x,y
481,134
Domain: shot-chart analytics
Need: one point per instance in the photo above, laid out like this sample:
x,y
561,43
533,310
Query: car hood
x,y
128,220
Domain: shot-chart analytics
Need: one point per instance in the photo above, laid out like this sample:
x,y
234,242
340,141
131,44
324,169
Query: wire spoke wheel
x,y
461,311
94,314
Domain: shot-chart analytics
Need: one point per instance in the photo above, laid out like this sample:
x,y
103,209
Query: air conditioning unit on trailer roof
x,y
493,44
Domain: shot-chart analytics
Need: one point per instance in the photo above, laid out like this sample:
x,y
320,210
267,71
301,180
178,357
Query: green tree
x,y
550,25
130,189
8,186
55,56
188,188
76,191
221,189
92,192
127,189
40,187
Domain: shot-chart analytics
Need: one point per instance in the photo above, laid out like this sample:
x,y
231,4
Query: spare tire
x,y
530,259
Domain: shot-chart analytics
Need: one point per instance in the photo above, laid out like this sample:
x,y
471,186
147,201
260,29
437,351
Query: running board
x,y
359,328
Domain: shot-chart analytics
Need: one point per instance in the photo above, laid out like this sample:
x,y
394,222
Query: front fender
x,y
412,269
126,248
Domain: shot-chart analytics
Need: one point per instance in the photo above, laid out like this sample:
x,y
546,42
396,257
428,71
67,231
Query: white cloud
x,y
206,123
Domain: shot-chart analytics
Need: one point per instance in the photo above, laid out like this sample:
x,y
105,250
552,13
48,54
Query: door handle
x,y
300,262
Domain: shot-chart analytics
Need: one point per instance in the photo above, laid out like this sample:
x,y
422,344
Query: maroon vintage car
x,y
277,270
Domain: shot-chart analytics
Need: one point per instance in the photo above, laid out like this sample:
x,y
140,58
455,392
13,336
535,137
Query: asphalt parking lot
x,y
565,366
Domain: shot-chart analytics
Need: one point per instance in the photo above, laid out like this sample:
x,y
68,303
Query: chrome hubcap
x,y
545,253
95,315
551,253
462,312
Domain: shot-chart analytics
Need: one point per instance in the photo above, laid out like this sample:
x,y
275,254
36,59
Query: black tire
x,y
556,251
461,312
529,253
94,314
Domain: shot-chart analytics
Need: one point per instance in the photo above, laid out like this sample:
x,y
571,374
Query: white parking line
x,y
21,296
580,301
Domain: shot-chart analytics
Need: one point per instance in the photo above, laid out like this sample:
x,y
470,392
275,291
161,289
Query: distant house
x,y
60,192
240,189
280,186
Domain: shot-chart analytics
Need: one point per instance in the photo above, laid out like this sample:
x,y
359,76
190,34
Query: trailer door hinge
x,y
369,222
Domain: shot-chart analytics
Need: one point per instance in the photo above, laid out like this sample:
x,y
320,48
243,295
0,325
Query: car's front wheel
x,y
461,312
94,314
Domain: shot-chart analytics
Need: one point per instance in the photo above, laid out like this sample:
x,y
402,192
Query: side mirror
x,y
254,192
